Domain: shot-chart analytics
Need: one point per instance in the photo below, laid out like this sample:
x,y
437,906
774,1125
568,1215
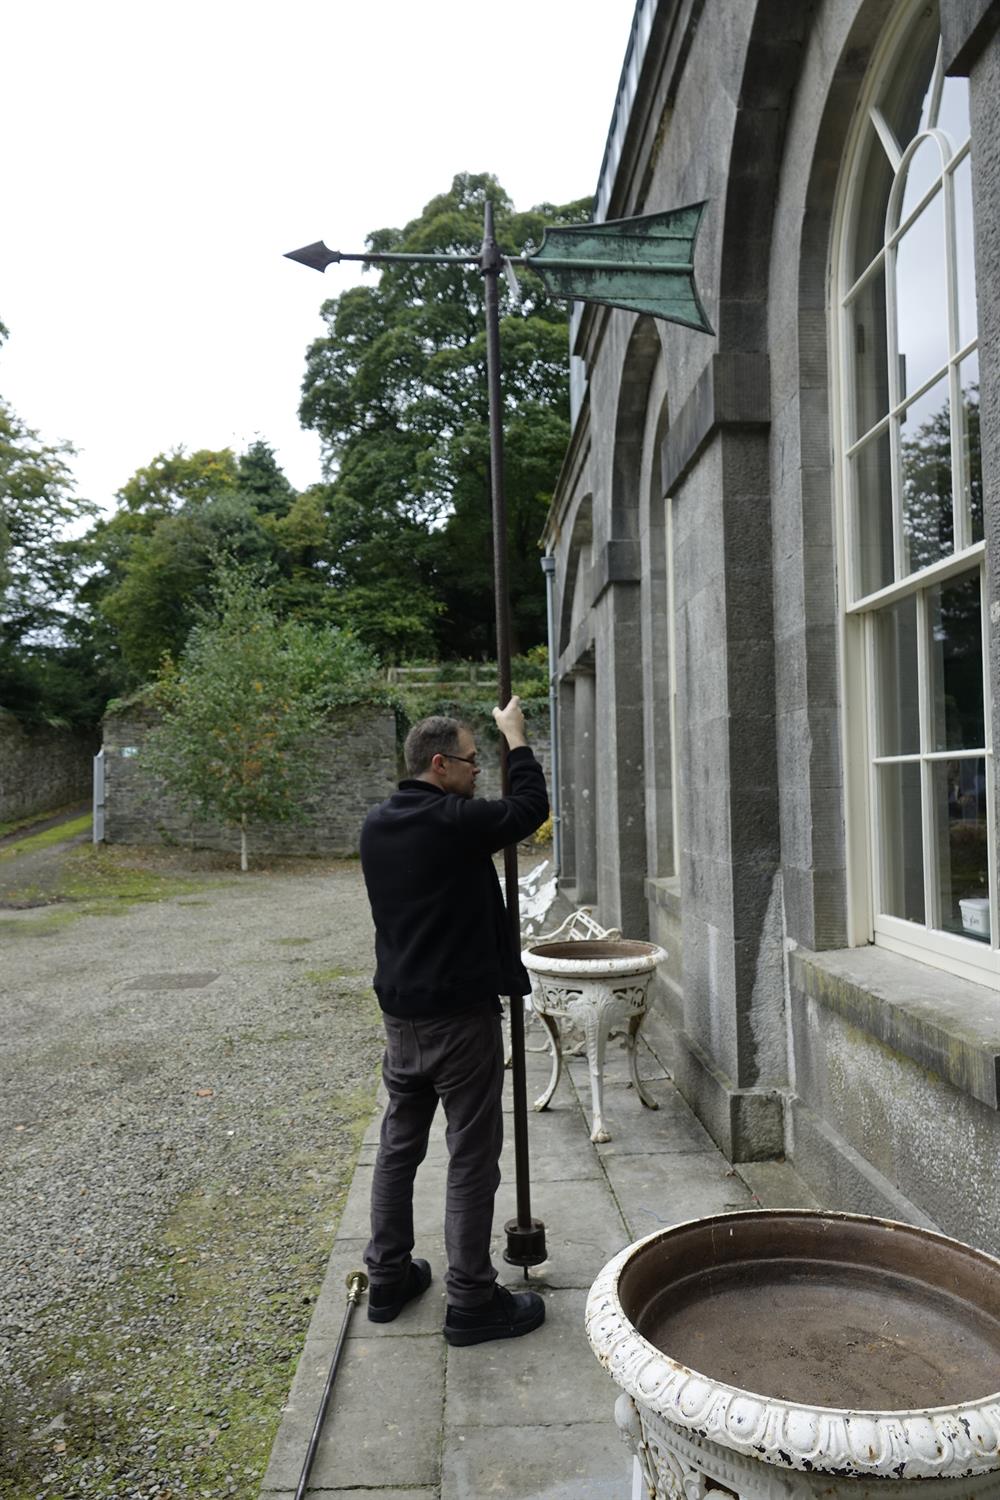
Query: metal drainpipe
x,y
549,569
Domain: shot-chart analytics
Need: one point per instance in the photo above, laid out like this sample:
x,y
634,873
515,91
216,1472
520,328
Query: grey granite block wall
x,y
359,767
42,768
357,757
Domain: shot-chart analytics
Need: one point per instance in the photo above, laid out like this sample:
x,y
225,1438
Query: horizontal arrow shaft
x,y
532,263
434,260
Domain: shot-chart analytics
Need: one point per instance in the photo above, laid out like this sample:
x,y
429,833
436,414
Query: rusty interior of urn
x,y
822,1310
589,948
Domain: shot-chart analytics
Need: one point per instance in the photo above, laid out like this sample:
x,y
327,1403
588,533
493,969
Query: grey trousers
x,y
459,1060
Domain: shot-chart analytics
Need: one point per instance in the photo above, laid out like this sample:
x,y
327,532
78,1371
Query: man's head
x,y
442,751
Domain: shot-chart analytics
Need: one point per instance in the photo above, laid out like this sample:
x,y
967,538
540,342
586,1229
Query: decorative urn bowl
x,y
599,985
790,1355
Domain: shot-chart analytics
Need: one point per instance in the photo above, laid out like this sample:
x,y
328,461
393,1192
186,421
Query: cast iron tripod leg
x,y
631,1047
552,1027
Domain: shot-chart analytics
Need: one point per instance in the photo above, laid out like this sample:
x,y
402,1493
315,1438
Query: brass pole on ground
x,y
357,1282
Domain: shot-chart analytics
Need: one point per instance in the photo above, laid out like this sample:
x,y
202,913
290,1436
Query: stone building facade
x,y
778,611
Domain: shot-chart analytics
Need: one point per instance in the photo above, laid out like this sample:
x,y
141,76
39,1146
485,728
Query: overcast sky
x,y
161,158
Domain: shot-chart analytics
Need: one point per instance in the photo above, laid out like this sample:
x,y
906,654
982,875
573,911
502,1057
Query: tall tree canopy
x,y
396,388
153,563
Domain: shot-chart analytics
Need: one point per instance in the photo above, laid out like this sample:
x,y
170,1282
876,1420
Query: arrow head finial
x,y
317,256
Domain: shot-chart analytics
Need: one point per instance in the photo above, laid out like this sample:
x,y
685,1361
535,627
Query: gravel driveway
x,y
183,1086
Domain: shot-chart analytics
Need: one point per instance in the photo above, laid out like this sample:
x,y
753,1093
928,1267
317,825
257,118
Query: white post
x,y
98,833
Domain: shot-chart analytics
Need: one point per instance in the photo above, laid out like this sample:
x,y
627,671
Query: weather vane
x,y
643,264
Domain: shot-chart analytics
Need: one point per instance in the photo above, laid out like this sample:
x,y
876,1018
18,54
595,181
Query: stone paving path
x,y
531,1418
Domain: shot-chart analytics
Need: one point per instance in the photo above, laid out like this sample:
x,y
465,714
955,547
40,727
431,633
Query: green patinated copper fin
x,y
645,264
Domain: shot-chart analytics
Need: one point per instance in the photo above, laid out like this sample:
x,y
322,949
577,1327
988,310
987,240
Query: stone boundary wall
x,y
42,768
488,783
358,769
361,765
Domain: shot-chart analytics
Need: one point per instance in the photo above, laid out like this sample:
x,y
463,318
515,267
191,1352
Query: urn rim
x,y
927,1442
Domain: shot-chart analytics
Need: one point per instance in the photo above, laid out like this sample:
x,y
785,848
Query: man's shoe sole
x,y
461,1337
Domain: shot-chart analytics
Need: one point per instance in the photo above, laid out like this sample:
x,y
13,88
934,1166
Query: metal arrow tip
x,y
316,255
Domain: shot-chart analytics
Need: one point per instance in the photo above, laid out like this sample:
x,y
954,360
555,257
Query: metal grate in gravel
x,y
198,981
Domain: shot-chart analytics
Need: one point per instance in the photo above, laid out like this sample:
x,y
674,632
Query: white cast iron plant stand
x,y
697,1438
598,981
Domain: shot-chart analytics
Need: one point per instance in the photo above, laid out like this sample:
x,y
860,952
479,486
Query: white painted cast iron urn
x,y
789,1355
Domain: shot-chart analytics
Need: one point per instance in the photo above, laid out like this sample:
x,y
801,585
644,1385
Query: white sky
x,y
161,158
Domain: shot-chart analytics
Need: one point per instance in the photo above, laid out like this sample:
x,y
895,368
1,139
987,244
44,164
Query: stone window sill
x,y
945,1024
665,892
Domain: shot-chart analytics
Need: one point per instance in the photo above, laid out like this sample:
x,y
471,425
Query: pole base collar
x,y
525,1245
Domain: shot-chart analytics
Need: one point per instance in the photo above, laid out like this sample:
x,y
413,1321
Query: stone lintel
x,y
941,1022
733,390
967,28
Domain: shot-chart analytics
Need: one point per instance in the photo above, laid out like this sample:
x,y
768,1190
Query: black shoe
x,y
386,1301
506,1316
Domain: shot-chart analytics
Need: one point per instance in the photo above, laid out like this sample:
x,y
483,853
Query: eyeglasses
x,y
469,760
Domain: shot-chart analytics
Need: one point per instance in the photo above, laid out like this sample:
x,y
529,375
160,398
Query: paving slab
x,y
424,1315
583,1230
581,1461
384,1426
518,1419
669,1189
639,1131
509,1383
427,1493
616,1069
777,1184
559,1148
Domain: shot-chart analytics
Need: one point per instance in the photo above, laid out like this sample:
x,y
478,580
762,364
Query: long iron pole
x,y
357,1282
525,1235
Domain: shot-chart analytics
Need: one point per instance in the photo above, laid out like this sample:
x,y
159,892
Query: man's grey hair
x,y
437,735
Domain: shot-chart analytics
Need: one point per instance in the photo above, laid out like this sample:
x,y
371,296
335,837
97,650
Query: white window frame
x,y
858,615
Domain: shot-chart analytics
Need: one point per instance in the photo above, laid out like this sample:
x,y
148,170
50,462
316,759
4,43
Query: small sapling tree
x,y
243,705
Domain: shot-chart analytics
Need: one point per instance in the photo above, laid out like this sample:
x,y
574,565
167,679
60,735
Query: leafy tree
x,y
261,479
241,705
174,479
929,529
154,562
170,574
927,500
46,670
396,389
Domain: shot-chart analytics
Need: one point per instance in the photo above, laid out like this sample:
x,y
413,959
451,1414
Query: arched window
x,y
912,513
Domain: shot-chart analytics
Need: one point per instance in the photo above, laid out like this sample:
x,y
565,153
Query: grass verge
x,y
32,820
58,834
93,880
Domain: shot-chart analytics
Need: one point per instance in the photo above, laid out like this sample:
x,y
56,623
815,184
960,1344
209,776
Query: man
x,y
444,952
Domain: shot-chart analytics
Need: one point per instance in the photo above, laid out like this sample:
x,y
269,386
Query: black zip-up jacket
x,y
442,939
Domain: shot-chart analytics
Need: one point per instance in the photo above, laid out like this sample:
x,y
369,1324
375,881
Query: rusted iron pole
x,y
525,1235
